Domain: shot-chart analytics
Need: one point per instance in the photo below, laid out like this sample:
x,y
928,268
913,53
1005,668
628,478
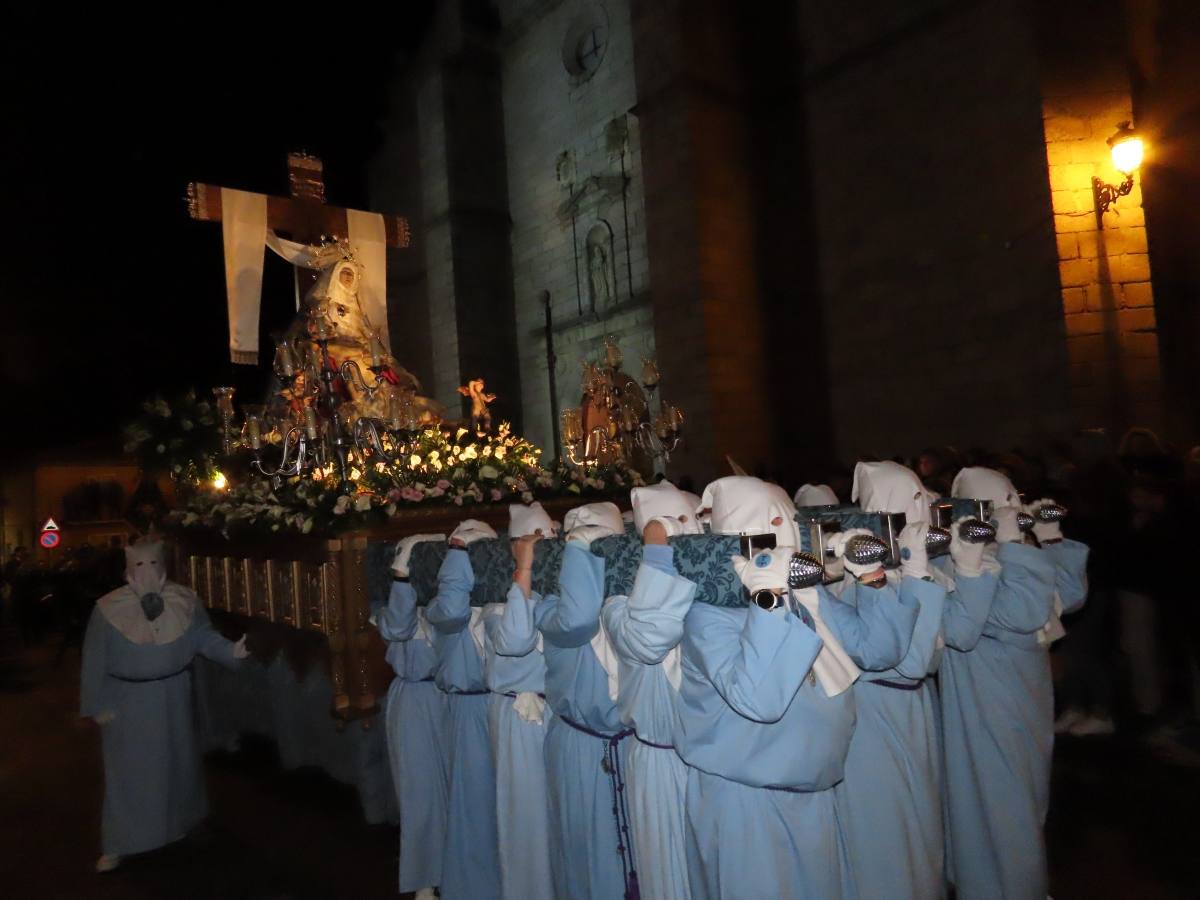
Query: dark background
x,y
111,292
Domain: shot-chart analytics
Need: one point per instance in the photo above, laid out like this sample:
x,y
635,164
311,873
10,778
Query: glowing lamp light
x,y
1127,150
219,481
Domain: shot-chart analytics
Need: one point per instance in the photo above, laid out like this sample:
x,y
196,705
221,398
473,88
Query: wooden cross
x,y
303,217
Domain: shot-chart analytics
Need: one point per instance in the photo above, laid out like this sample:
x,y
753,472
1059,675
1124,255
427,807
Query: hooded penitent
x,y
745,505
525,520
978,483
889,487
815,495
668,504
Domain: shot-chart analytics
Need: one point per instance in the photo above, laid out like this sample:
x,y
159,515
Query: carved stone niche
x,y
600,264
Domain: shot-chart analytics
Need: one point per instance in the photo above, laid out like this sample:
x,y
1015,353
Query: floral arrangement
x,y
439,465
179,439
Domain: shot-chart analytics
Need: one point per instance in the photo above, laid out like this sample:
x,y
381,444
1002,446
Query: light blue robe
x,y
890,800
998,726
514,665
153,783
416,720
643,629
591,856
470,860
765,746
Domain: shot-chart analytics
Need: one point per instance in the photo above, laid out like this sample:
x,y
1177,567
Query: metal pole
x,y
625,213
551,363
575,250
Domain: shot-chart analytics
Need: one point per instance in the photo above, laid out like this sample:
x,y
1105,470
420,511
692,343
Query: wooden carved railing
x,y
317,585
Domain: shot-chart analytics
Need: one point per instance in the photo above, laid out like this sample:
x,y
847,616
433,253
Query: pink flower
x,y
458,501
443,484
496,495
395,494
411,494
437,491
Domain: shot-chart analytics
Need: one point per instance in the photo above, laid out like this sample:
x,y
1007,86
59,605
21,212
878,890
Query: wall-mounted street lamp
x,y
1127,150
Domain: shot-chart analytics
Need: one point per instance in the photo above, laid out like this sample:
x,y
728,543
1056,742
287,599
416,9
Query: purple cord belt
x,y
611,764
642,740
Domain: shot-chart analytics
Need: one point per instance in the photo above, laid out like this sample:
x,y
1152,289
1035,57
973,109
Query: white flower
x,y
307,526
342,504
362,503
527,497
186,424
488,472
161,448
470,452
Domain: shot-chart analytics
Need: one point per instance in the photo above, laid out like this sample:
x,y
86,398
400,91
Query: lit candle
x,y
253,432
377,351
395,420
285,363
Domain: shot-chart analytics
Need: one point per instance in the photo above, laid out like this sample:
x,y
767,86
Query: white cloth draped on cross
x,y
245,233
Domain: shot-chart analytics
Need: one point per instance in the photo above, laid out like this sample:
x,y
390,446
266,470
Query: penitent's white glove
x,y
239,648
837,543
1044,531
585,534
404,549
914,559
471,530
766,570
1007,530
967,557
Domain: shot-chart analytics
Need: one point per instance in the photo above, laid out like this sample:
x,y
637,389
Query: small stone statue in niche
x,y
599,277
481,416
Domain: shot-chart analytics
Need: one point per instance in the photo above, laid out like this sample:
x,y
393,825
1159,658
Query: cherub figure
x,y
481,416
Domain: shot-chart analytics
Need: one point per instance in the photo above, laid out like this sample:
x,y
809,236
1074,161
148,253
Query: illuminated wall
x,y
1104,262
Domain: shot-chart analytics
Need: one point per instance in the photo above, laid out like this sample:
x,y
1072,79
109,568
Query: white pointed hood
x,y
890,488
815,495
665,501
978,483
525,520
742,504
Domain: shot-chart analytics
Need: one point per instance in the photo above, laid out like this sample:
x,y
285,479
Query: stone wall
x,y
447,137
842,229
574,171
1104,262
938,263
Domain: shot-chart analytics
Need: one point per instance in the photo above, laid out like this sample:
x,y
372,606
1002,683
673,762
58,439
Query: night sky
x,y
111,291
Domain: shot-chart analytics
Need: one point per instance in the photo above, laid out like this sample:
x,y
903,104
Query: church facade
x,y
839,231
